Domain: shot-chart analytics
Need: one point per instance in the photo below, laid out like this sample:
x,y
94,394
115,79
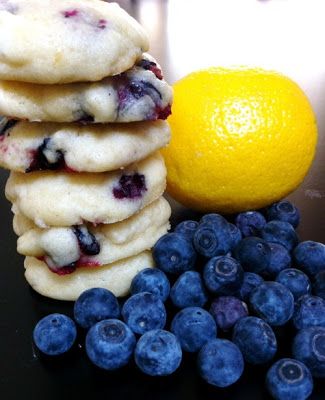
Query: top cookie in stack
x,y
87,179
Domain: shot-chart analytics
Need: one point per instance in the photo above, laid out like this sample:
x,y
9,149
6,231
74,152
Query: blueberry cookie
x,y
67,199
65,249
115,277
27,146
51,41
139,94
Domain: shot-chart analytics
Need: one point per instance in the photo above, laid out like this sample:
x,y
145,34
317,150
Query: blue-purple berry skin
x,y
227,310
158,353
189,290
250,223
250,282
55,334
211,240
235,235
310,257
110,344
151,280
309,348
256,340
220,363
272,302
254,254
280,232
187,228
296,281
144,312
223,275
193,326
289,379
94,305
284,211
309,311
280,260
174,253
319,285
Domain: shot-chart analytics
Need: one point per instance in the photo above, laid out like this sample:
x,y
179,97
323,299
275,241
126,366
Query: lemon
x,y
241,139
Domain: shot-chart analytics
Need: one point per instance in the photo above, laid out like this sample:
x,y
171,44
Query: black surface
x,y
26,374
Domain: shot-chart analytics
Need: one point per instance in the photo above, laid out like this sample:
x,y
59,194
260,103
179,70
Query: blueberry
x,y
174,253
272,302
289,379
151,280
319,285
211,241
250,282
94,305
280,259
130,186
223,275
215,220
158,353
310,257
250,223
86,240
189,291
235,235
280,232
296,281
187,228
309,348
254,254
220,362
54,334
144,312
46,159
283,211
227,310
110,344
309,311
193,326
256,340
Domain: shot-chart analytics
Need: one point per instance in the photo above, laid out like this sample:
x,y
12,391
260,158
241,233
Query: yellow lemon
x,y
241,139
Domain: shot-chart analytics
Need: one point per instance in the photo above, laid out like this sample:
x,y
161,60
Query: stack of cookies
x,y
83,109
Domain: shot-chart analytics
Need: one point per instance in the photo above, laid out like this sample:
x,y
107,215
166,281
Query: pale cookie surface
x,y
27,146
51,41
115,277
66,199
139,94
65,249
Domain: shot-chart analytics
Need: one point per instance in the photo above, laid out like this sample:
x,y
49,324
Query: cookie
x,y
50,41
49,198
65,249
115,277
139,94
27,146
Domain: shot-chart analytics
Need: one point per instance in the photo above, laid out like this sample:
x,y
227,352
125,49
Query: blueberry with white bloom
x,y
254,254
256,340
310,257
289,379
250,282
55,334
110,344
280,232
158,353
220,362
151,280
272,302
193,326
284,211
143,312
227,310
309,311
250,223
189,290
296,281
309,348
94,305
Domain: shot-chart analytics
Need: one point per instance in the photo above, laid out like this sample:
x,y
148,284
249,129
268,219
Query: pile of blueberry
x,y
224,289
